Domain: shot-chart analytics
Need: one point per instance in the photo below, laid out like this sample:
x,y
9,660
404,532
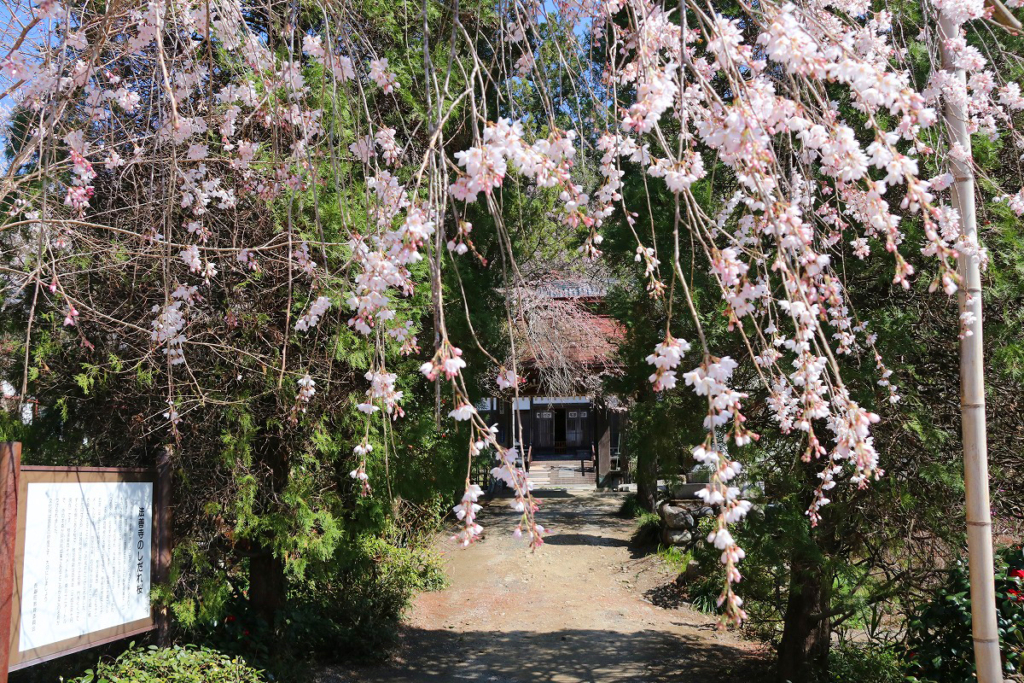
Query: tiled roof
x,y
589,288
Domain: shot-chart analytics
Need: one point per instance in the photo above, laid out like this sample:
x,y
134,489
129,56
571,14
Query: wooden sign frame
x,y
11,579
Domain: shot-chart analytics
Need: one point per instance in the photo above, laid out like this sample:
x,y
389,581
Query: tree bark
x,y
163,520
267,586
647,477
803,653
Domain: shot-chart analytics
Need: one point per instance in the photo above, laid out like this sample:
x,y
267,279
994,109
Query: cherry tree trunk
x,y
267,588
803,653
647,477
267,585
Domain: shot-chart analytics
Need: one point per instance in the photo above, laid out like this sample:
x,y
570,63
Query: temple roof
x,y
582,338
574,288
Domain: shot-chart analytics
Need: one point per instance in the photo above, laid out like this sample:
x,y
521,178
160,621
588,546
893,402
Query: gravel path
x,y
579,609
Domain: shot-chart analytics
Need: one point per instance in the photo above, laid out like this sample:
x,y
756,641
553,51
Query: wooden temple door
x,y
545,435
574,422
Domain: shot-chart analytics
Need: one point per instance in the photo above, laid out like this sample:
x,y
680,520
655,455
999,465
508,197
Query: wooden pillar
x,y
623,453
162,526
10,468
604,443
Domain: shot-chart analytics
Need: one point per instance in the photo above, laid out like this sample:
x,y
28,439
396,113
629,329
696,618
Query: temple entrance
x,y
560,430
562,440
545,434
560,454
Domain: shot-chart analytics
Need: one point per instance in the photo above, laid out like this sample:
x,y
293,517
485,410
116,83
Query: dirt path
x,y
574,611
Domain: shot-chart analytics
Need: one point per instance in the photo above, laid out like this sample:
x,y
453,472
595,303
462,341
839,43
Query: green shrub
x,y
631,508
939,644
676,558
648,529
347,608
357,613
856,663
648,524
188,664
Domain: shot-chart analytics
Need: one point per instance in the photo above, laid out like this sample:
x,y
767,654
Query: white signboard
x,y
87,559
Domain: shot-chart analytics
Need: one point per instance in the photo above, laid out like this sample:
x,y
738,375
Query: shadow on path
x,y
564,656
585,539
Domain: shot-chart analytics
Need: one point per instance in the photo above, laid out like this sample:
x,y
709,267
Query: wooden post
x,y
162,524
972,390
604,445
10,468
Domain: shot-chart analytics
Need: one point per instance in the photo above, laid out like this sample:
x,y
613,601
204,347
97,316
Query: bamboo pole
x,y
972,394
1004,17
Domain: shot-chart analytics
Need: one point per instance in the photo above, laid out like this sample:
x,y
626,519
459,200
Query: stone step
x,y
588,481
563,473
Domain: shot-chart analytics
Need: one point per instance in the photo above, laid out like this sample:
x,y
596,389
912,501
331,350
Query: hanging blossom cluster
x,y
772,246
711,379
447,365
665,359
546,162
773,269
385,259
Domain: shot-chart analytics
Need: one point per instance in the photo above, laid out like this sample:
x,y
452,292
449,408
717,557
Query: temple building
x,y
565,348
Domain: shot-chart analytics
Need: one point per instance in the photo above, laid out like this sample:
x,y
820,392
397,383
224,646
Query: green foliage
x,y
939,643
679,560
859,663
648,528
631,508
178,664
347,606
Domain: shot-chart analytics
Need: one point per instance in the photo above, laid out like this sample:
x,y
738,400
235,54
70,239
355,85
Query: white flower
x,y
313,315
381,76
463,412
452,366
721,538
306,390
506,379
197,152
191,258
363,149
